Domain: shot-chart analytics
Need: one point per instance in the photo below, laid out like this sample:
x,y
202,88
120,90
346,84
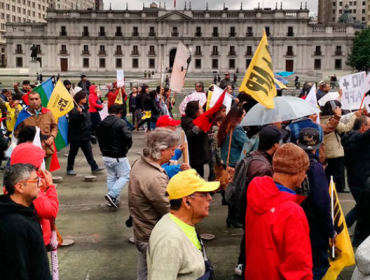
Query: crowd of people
x,y
273,178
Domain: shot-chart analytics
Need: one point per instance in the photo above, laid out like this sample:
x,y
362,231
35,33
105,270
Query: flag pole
x,y
332,212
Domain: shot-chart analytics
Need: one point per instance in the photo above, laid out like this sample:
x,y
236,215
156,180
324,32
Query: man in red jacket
x,y
276,228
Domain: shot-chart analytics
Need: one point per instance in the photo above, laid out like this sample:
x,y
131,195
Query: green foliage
x,y
360,56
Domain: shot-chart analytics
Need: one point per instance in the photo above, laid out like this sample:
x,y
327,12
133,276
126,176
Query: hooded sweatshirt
x,y
277,237
93,101
47,203
22,250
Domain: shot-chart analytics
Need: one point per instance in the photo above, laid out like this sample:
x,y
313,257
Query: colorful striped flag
x,y
45,90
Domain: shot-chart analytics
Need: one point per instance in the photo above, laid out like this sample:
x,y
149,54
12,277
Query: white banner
x,y
217,92
351,86
120,78
180,67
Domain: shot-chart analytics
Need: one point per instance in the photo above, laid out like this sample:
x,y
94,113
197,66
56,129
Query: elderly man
x,y
175,249
274,216
23,254
147,188
36,115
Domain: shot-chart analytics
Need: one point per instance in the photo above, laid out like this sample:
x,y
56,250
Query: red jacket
x,y
112,97
93,99
277,237
47,205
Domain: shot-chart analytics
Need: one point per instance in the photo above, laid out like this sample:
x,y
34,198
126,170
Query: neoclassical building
x,y
139,40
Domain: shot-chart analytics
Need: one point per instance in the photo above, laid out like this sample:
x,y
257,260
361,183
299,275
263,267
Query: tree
x,y
360,56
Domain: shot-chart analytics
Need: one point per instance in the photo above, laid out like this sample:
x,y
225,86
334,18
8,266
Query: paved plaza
x,y
102,250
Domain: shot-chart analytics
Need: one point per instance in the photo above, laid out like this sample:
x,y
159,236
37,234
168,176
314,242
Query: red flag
x,y
205,120
54,164
25,98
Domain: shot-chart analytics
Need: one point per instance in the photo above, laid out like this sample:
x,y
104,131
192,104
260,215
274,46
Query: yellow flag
x,y
119,99
259,79
60,102
210,93
344,255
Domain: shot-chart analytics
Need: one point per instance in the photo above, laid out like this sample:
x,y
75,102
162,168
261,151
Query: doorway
x,y
64,64
172,57
289,65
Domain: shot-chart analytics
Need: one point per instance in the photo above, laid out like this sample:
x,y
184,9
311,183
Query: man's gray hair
x,y
15,174
161,139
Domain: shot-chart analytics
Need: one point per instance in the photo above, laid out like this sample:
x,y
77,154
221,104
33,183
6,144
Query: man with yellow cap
x,y
175,250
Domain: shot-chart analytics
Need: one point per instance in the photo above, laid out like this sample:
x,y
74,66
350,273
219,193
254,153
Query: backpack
x,y
237,185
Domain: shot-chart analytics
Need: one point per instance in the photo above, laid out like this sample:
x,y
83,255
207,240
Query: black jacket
x,y
114,137
22,249
79,128
197,141
357,157
317,206
85,86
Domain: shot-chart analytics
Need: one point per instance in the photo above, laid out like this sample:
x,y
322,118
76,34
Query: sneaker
x,y
113,201
239,269
71,173
98,170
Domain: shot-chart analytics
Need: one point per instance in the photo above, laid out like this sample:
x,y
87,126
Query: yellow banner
x,y
119,99
60,102
210,93
259,79
344,255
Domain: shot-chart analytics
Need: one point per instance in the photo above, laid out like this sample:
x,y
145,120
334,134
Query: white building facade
x,y
103,41
31,11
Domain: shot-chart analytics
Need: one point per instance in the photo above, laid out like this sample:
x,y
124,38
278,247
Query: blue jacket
x,y
237,144
172,170
317,206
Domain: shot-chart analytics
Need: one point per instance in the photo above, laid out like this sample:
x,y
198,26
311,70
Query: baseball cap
x,y
27,153
268,137
165,120
309,139
227,73
188,182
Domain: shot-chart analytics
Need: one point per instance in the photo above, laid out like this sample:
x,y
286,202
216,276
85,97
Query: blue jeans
x,y
118,170
131,127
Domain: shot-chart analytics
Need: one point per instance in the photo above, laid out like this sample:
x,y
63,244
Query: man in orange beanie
x,y
276,227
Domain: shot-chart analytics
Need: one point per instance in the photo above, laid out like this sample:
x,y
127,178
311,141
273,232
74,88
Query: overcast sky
x,y
212,4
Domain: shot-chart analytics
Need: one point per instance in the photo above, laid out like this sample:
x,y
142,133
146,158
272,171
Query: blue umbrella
x,y
284,74
281,79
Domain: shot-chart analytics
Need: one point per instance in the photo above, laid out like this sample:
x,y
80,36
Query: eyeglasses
x,y
37,181
200,195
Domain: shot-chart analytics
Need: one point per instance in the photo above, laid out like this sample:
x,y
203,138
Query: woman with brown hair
x,y
231,130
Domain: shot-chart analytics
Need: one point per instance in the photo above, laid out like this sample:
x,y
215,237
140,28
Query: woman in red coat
x,y
95,107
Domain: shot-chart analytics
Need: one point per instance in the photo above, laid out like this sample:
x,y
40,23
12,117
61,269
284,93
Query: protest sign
x,y
120,78
217,92
104,112
352,94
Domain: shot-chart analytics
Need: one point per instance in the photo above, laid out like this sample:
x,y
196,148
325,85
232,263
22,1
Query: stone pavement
x,y
102,251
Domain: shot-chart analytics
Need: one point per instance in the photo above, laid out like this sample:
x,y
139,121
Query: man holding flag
x,y
36,115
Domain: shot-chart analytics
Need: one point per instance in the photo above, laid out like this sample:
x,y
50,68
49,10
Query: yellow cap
x,y
188,182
